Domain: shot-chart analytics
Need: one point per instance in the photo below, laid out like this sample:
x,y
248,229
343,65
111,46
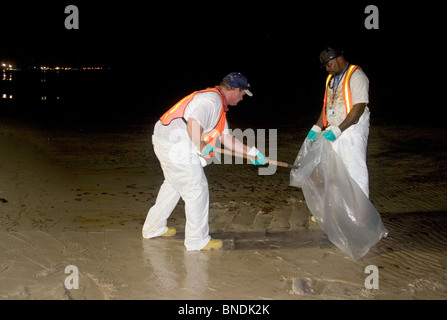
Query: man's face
x,y
333,67
236,96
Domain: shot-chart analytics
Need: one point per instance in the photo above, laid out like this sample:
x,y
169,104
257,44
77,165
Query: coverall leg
x,y
184,177
351,147
157,217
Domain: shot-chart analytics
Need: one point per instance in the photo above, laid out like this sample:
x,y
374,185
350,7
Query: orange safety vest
x,y
346,92
178,111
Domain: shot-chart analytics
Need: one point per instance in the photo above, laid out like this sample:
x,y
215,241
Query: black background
x,y
158,52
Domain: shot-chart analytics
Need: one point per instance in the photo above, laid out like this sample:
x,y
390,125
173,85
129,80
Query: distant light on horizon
x,y
69,68
6,96
7,66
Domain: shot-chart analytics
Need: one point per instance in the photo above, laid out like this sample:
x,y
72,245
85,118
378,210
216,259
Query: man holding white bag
x,y
183,137
344,119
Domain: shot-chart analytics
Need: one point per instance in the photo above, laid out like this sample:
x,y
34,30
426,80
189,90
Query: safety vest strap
x,y
328,79
178,111
346,92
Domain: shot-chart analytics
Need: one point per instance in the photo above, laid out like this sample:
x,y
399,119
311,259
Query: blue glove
x,y
260,161
312,135
207,151
329,135
332,134
256,153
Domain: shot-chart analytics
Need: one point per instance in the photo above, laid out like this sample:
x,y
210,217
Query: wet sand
x,y
79,196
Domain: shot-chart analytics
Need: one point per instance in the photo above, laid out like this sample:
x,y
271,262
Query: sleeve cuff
x,y
316,128
336,130
253,152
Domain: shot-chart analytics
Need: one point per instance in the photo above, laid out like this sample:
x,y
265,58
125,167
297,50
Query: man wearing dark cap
x,y
183,137
344,119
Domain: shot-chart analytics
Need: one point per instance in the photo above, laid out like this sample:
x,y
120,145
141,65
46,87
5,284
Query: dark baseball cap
x,y
328,54
238,80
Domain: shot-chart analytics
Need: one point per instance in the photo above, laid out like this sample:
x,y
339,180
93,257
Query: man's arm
x,y
195,131
236,145
320,121
230,142
353,116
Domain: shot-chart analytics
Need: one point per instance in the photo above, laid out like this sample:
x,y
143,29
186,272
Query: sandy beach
x,y
78,196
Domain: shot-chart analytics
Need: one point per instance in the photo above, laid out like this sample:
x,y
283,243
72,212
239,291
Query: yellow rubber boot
x,y
170,233
213,244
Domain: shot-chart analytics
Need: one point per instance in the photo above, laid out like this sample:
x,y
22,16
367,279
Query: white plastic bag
x,y
336,201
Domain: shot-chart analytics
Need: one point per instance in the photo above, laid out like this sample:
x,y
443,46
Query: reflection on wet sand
x,y
175,269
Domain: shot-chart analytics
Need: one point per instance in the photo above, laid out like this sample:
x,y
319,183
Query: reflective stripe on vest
x,y
346,92
178,111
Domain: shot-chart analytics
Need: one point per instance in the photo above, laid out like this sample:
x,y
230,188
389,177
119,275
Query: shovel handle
x,y
246,156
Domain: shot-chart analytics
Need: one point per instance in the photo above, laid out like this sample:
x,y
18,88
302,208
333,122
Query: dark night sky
x,y
176,47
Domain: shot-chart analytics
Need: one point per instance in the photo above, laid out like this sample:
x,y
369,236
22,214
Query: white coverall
x,y
352,143
183,173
